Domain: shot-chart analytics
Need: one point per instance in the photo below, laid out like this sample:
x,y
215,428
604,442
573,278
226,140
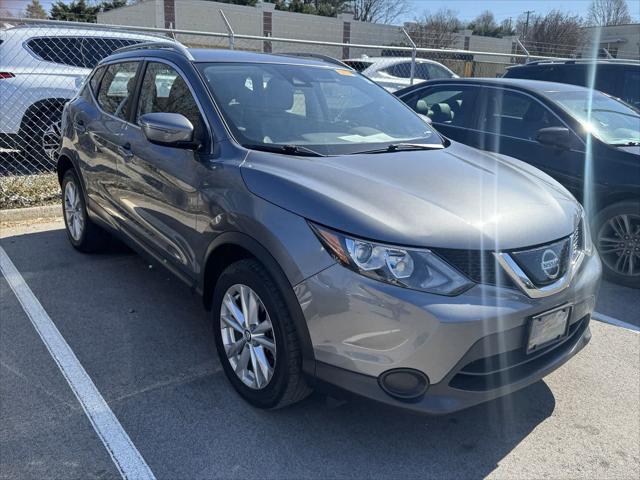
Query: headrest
x,y
279,94
441,112
422,107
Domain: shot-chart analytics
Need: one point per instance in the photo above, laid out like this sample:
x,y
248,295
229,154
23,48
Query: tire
x,y
42,135
286,384
616,234
88,237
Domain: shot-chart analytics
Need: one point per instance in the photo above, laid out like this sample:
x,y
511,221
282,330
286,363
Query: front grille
x,y
478,265
546,264
488,373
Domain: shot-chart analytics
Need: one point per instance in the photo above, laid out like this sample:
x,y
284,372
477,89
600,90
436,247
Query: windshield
x,y
612,121
332,111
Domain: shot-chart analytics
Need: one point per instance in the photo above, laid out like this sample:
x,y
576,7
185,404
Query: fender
x,y
254,247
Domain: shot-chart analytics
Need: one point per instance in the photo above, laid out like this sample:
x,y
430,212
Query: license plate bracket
x,y
548,328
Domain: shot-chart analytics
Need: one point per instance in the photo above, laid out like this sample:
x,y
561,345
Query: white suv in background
x,y
41,68
394,73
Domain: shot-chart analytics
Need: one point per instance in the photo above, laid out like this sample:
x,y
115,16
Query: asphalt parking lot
x,y
146,343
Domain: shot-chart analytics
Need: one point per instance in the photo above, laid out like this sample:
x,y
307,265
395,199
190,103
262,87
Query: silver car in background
x,y
394,73
40,70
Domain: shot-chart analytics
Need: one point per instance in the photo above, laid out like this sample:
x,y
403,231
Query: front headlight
x,y
415,269
586,235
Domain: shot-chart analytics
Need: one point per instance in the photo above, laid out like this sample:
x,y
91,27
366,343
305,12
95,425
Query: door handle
x,y
125,151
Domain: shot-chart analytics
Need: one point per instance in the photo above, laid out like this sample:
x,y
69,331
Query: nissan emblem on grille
x,y
550,264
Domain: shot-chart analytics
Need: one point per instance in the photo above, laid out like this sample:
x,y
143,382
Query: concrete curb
x,y
31,213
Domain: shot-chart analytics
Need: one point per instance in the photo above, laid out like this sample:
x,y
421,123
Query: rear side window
x,y
62,50
95,49
117,87
400,70
444,105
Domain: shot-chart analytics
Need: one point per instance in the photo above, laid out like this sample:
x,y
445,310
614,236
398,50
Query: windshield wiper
x,y
286,149
630,143
397,147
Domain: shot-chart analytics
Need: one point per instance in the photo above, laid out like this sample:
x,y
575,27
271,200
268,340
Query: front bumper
x,y
471,347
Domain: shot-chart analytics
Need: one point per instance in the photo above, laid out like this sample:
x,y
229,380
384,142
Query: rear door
x,y
100,131
159,196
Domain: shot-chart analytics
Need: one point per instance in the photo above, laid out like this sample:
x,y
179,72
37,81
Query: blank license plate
x,y
548,328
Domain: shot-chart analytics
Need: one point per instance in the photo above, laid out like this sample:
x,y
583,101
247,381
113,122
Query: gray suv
x,y
335,237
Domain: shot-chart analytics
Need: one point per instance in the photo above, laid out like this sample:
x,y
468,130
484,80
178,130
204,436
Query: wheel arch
x,y
52,104
230,247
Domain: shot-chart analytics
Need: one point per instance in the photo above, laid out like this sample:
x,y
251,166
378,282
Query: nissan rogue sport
x,y
335,237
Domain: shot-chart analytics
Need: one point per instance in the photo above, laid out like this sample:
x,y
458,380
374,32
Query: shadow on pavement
x,y
146,342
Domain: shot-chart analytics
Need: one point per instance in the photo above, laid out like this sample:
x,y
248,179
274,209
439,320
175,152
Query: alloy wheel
x,y
619,244
73,211
51,138
248,336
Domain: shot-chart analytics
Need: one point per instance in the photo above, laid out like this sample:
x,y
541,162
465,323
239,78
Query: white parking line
x,y
601,317
122,450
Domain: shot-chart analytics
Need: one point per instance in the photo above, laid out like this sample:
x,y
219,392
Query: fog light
x,y
404,383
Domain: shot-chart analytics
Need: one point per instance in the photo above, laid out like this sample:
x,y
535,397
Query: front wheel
x,y
617,237
256,338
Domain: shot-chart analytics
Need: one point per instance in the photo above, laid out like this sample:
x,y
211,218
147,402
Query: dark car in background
x,y
587,140
621,80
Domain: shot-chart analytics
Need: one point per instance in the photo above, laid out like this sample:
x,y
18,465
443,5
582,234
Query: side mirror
x,y
559,137
169,129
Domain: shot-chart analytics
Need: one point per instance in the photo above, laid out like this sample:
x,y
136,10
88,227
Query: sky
x,y
467,9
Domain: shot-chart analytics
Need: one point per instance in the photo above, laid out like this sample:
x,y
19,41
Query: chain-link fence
x,y
43,64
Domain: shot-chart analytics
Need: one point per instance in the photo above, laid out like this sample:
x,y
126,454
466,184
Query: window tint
x,y
400,70
164,90
444,105
117,87
63,50
514,114
436,71
631,87
95,49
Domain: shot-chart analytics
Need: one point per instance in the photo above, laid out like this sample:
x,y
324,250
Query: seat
x,y
441,113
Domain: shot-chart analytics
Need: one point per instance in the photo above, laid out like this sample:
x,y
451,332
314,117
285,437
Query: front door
x,y
160,192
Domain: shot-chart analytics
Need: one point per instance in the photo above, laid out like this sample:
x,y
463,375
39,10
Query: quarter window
x,y
117,87
164,90
62,50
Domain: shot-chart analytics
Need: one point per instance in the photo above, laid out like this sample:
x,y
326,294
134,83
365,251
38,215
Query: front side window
x,y
631,87
164,90
515,115
62,50
94,83
330,110
117,87
445,105
612,121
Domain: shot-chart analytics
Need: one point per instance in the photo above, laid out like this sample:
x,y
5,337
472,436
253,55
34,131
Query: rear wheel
x,y
617,236
83,234
41,135
256,338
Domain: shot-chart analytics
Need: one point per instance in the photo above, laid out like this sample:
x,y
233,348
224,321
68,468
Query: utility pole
x,y
526,24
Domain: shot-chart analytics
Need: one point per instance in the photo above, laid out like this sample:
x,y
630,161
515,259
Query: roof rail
x,y
175,46
317,56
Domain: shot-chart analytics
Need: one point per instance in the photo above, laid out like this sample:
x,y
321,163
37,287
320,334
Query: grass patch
x,y
29,190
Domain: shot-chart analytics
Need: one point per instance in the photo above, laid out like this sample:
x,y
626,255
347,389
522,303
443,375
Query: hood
x,y
457,197
633,149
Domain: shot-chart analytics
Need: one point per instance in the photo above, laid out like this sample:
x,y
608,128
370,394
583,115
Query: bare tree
x,y
556,34
435,30
377,11
608,12
485,24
